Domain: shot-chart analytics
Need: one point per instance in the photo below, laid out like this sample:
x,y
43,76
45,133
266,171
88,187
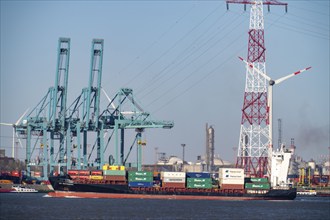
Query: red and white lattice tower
x,y
255,144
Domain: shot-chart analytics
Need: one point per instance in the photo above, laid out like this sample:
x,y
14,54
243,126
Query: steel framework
x,y
255,144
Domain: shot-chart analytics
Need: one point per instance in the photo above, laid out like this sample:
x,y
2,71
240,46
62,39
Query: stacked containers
x,y
96,175
173,179
231,178
114,173
79,174
140,179
199,181
256,183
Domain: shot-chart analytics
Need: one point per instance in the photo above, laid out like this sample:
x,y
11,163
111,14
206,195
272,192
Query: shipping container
x,y
199,180
140,173
174,179
73,172
80,177
236,171
83,172
105,167
96,177
256,180
116,167
173,185
15,173
114,172
37,174
257,186
97,172
140,184
173,174
140,178
192,185
231,176
198,175
232,186
115,178
231,181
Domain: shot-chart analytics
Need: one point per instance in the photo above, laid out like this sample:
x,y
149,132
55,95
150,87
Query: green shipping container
x,y
257,186
199,185
199,180
114,172
140,178
257,180
140,173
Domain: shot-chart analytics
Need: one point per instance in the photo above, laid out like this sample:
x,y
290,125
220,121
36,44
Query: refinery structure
x,y
64,130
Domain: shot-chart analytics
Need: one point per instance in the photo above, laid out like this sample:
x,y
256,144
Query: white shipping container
x,y
174,179
231,171
231,181
173,174
231,176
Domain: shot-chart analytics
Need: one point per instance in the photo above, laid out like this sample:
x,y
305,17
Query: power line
x,y
156,41
173,46
184,55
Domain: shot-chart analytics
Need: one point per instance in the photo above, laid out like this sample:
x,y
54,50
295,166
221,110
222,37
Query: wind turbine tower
x,y
255,142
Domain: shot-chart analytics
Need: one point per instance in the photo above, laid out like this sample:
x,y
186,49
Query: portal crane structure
x,y
49,116
128,114
51,121
84,114
255,142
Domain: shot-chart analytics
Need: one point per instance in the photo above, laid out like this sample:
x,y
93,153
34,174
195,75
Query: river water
x,y
40,206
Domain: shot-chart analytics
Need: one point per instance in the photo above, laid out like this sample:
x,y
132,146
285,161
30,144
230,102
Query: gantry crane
x,y
86,109
128,115
49,115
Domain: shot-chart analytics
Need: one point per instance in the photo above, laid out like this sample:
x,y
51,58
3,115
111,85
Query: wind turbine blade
x,y
22,116
290,75
106,95
257,70
7,124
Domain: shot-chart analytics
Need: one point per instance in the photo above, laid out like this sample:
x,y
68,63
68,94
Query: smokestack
x,y
209,148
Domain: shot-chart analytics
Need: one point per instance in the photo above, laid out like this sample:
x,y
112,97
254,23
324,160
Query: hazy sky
x,y
180,59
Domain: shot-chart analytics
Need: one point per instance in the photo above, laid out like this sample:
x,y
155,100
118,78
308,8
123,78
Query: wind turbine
x,y
270,91
14,132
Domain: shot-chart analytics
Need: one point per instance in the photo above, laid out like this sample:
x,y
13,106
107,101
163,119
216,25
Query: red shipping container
x,y
15,173
83,177
37,174
73,172
83,172
97,172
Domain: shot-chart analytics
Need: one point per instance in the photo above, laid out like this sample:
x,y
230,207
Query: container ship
x,y
116,182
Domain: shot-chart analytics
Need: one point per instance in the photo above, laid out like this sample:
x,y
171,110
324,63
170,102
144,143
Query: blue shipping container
x,y
140,184
198,175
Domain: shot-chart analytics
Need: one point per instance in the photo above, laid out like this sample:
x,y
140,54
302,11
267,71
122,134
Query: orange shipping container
x,y
232,186
115,178
173,185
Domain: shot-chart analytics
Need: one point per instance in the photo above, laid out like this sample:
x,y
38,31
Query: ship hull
x,y
64,187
